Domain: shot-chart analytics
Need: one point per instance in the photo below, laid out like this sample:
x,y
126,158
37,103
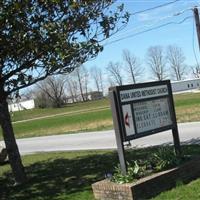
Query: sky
x,y
182,35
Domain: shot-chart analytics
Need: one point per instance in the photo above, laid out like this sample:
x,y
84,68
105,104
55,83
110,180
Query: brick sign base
x,y
149,186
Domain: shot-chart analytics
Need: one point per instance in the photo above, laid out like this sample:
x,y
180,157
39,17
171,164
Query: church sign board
x,y
144,109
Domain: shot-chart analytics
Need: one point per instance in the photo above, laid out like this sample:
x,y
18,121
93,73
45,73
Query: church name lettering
x,y
143,93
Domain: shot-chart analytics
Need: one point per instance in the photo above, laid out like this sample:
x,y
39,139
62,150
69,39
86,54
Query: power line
x,y
152,8
178,13
148,30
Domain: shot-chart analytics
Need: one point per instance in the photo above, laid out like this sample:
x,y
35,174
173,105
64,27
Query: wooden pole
x,y
197,22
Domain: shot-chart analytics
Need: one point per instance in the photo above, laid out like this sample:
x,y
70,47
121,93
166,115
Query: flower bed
x,y
149,186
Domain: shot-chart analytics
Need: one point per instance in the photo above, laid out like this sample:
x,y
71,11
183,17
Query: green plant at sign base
x,y
164,158
133,173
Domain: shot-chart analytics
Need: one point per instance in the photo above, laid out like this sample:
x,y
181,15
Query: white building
x,y
23,105
185,85
95,95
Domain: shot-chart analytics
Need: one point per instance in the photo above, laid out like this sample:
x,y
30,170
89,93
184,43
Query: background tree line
x,y
159,63
55,91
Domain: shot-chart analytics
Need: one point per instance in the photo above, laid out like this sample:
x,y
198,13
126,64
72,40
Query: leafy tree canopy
x,y
47,37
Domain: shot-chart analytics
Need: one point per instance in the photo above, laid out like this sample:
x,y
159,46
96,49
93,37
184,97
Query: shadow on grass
x,y
61,178
50,178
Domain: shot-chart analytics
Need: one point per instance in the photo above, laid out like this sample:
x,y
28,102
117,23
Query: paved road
x,y
189,133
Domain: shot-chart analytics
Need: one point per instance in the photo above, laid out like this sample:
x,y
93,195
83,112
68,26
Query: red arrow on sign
x,y
126,120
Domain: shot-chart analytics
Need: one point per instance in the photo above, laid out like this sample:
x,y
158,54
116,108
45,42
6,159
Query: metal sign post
x,y
140,110
176,140
118,130
175,132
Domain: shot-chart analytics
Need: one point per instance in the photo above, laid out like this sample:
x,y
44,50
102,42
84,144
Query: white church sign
x,y
144,109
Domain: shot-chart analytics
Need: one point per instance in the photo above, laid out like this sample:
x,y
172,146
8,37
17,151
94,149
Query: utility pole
x,y
197,22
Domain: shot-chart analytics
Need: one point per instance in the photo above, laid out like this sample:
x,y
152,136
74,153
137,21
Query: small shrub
x,y
133,172
164,158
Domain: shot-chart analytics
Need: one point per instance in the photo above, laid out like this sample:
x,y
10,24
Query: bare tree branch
x,y
132,66
176,58
53,88
114,70
96,74
157,62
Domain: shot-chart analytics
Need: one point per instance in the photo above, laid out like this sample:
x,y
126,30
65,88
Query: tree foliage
x,y
48,37
40,38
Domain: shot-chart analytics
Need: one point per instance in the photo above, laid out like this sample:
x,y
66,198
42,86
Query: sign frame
x,y
119,105
118,117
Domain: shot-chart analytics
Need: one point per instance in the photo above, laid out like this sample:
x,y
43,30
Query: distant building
x,y
95,95
185,85
23,105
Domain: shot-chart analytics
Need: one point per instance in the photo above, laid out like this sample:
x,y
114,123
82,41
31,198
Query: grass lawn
x,y
187,192
82,106
187,107
69,175
89,116
65,124
79,117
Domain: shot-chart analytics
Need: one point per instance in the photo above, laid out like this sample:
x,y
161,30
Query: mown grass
x,y
69,175
58,176
82,106
187,107
187,99
187,192
64,124
89,116
182,101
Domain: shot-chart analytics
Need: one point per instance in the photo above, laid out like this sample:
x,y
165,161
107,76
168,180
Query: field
x,y
69,176
187,107
88,116
68,109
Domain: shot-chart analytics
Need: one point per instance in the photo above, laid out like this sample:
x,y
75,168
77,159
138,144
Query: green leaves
x,y
164,158
133,172
54,35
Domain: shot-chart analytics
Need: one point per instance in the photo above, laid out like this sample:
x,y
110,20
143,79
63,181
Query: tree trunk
x,y
10,142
